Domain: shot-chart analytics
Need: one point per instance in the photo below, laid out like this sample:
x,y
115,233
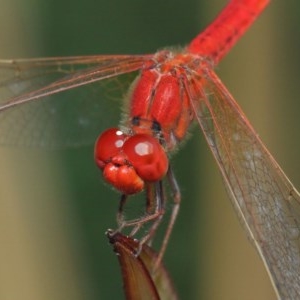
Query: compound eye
x,y
147,156
108,144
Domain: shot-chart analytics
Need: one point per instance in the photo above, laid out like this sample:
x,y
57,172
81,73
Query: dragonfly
x,y
172,90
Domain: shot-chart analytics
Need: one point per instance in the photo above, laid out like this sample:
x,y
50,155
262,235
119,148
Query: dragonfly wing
x,y
266,202
51,118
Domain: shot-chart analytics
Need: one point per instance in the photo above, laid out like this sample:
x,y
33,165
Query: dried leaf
x,y
142,279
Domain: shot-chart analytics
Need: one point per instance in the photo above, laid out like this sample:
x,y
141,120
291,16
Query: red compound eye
x,y
147,157
108,145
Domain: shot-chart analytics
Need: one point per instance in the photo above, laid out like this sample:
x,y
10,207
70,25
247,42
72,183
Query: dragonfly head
x,y
127,162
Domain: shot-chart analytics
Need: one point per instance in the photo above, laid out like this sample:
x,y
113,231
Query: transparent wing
x,y
39,105
267,203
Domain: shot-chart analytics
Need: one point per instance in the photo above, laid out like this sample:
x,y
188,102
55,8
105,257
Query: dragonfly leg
x,y
155,202
120,215
176,204
154,212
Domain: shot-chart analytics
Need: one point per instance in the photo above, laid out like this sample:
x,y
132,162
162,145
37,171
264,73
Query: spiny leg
x,y
154,211
176,204
120,215
153,207
155,202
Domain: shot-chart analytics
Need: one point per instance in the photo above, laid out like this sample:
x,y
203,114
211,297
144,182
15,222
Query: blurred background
x,y
54,208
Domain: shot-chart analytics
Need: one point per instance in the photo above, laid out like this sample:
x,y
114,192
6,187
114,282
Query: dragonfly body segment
x,y
222,34
159,103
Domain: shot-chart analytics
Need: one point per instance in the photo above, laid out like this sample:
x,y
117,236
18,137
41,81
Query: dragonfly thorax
x,y
159,99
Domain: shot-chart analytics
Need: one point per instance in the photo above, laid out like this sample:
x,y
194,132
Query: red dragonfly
x,y
173,89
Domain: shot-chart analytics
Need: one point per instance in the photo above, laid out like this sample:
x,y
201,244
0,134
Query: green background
x,y
56,249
